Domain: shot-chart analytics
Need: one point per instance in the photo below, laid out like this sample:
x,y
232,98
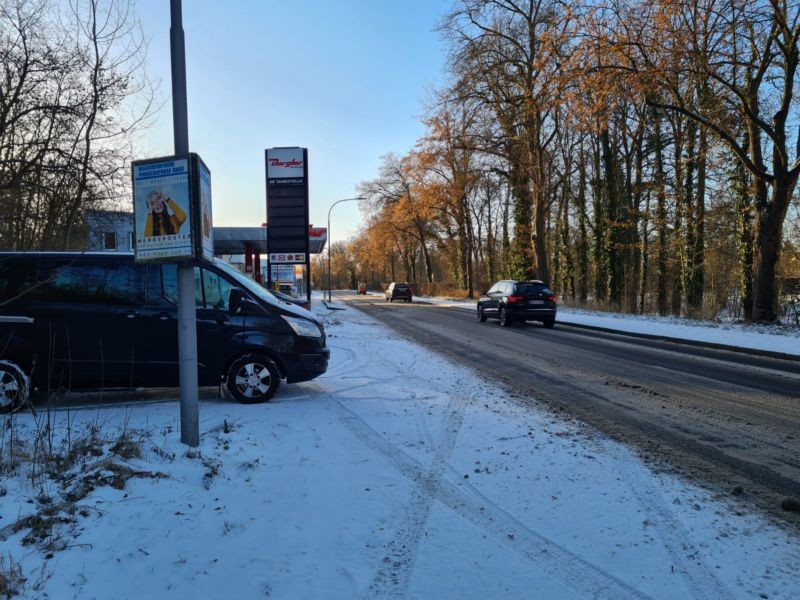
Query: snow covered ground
x,y
395,475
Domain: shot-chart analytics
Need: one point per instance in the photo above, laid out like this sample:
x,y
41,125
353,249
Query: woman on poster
x,y
159,220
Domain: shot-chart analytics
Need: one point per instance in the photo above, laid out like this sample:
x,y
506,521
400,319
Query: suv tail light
x,y
514,299
552,299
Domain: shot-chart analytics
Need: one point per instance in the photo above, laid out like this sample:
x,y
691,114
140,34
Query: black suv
x,y
89,321
510,301
398,291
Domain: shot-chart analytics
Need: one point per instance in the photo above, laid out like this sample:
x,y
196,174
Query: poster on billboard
x,y
161,207
206,221
172,209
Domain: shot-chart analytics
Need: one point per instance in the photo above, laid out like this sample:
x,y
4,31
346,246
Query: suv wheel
x,y
549,323
505,320
14,387
253,378
481,316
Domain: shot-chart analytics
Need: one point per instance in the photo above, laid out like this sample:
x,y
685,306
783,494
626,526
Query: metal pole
x,y
330,240
187,318
180,119
329,253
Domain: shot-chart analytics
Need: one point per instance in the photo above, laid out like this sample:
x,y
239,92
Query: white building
x,y
109,231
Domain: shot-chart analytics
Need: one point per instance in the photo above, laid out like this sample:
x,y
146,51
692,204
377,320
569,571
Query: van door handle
x,y
163,316
131,314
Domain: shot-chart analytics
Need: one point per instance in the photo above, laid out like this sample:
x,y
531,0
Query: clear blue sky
x,y
346,79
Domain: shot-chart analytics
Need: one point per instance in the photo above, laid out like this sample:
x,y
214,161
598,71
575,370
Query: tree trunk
x,y
521,260
769,232
694,297
687,240
611,241
637,241
506,240
600,271
677,233
661,224
583,240
744,211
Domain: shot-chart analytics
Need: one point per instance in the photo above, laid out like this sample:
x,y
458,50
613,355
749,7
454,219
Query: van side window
x,y
124,285
210,290
217,290
169,279
17,276
71,281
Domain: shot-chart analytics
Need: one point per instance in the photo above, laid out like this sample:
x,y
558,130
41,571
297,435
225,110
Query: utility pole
x,y
187,317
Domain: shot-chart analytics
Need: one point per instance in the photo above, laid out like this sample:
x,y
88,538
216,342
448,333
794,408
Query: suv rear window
x,y
525,289
401,287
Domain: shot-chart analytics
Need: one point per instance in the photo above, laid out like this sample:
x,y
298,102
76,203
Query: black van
x,y
82,321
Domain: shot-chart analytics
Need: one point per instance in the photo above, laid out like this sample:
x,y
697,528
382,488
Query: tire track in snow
x,y
571,570
350,365
393,577
700,580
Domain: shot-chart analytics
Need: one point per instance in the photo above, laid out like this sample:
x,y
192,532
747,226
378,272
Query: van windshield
x,y
250,285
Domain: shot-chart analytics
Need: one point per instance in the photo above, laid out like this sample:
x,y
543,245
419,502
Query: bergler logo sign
x,y
288,164
285,166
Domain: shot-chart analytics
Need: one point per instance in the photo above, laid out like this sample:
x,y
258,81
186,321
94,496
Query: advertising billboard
x,y
287,210
287,200
172,209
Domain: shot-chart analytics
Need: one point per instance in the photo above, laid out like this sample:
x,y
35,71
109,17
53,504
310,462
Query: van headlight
x,y
303,327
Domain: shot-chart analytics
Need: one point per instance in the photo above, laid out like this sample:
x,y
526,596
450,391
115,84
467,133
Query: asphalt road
x,y
727,420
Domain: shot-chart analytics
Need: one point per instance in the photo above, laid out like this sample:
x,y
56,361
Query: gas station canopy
x,y
233,240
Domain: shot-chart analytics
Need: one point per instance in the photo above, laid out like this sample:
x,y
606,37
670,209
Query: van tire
x,y
14,387
253,378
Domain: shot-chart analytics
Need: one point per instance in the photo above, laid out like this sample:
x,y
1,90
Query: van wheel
x,y
14,387
253,378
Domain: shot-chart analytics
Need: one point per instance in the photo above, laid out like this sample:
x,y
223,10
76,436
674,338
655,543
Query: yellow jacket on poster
x,y
160,222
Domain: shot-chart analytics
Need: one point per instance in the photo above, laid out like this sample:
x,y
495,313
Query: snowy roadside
x,y
785,340
395,475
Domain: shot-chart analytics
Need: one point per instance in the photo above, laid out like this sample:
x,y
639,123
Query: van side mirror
x,y
236,301
240,303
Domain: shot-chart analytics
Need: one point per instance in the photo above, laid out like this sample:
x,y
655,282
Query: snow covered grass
x,y
395,475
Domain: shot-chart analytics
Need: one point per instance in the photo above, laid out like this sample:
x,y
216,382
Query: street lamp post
x,y
329,239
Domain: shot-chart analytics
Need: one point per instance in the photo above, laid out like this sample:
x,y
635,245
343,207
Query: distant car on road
x,y
509,301
362,288
398,291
